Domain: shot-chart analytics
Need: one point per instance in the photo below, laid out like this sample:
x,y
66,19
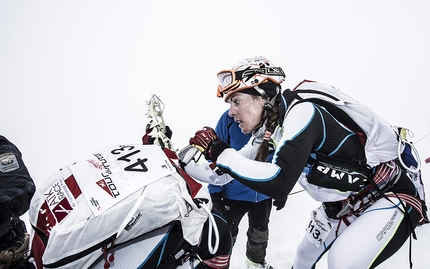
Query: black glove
x,y
279,204
216,148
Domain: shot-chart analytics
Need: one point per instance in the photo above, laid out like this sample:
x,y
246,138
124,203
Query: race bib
x,y
318,229
108,176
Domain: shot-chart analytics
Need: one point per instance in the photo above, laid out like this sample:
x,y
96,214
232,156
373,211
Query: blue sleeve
x,y
214,188
222,126
229,132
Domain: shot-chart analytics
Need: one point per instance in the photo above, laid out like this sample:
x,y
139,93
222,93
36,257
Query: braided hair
x,y
271,118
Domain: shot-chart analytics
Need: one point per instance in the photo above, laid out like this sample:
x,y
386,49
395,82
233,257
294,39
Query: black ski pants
x,y
258,225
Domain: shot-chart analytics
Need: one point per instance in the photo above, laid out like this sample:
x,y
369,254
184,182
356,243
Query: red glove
x,y
209,143
147,139
203,138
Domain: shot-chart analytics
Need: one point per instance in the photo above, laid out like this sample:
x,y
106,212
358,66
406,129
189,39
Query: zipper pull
x,y
107,264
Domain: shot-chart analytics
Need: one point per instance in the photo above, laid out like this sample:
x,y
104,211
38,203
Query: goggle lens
x,y
230,80
225,78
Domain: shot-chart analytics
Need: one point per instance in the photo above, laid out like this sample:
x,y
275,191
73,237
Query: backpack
x,y
378,137
113,197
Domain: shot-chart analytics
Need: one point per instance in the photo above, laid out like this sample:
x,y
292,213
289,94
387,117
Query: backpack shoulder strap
x,y
343,117
335,111
180,249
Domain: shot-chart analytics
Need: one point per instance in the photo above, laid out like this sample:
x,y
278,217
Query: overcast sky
x,y
74,75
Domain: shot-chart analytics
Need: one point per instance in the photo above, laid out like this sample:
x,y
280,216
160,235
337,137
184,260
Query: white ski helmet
x,y
247,74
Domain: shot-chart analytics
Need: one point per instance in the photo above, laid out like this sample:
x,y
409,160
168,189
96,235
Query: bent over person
x,y
352,167
16,190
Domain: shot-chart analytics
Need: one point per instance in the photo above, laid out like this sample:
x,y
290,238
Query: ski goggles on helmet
x,y
231,81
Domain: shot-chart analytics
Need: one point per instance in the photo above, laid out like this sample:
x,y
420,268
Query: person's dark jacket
x,y
16,185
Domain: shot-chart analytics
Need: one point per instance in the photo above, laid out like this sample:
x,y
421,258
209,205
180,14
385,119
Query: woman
x,y
363,223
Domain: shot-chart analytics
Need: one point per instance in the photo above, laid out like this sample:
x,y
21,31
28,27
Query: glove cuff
x,y
216,147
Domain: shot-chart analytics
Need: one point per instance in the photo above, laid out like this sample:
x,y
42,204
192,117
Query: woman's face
x,y
246,109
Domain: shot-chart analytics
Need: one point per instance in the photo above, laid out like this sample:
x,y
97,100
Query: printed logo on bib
x,y
59,200
108,187
106,183
318,229
95,204
8,162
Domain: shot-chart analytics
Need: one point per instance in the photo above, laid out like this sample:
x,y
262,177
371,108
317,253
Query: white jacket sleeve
x,y
202,172
245,168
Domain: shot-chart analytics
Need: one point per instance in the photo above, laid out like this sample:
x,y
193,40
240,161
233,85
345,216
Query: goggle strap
x,y
239,74
264,95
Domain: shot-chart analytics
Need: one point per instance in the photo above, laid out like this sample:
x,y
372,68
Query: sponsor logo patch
x,y
8,162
